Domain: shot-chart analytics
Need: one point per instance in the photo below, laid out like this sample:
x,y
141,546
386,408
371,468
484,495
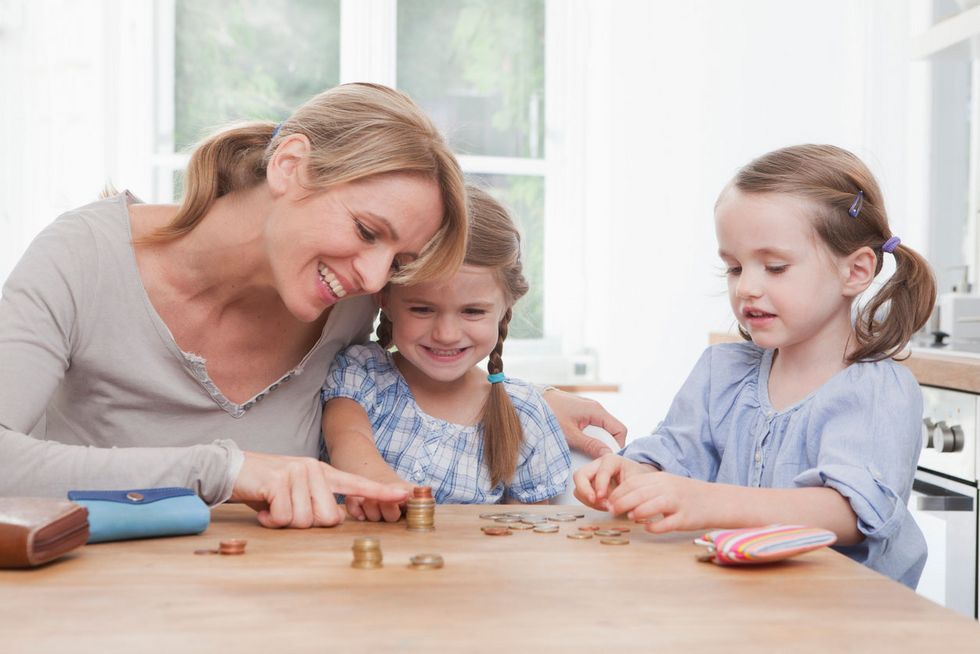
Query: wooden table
x,y
294,591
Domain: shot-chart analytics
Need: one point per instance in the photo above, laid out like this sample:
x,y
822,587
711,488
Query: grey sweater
x,y
95,393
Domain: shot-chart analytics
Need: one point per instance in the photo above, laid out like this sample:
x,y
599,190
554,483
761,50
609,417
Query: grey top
x,y
859,434
95,393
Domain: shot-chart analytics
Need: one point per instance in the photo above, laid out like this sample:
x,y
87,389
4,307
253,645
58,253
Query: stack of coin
x,y
367,553
426,562
421,511
232,546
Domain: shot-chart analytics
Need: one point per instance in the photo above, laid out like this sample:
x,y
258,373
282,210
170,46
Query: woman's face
x,y
346,240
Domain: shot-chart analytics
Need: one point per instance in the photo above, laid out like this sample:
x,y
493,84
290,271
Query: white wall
x,y
698,89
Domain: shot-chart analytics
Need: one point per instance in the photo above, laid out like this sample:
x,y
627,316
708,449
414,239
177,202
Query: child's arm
x,y
350,443
689,504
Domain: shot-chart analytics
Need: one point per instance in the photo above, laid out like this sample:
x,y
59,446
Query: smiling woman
x,y
185,345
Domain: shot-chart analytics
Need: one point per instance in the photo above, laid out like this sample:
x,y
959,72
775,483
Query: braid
x,y
495,361
383,332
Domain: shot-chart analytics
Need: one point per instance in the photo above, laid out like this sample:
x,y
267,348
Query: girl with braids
x,y
426,414
811,421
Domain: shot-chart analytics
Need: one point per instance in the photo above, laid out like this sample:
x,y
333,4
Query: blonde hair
x,y
494,243
830,178
355,131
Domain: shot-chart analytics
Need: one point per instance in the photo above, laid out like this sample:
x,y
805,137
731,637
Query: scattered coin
x,y
569,516
622,530
546,529
589,528
534,520
497,531
507,519
520,526
232,546
426,562
615,541
607,532
580,535
561,517
490,516
206,551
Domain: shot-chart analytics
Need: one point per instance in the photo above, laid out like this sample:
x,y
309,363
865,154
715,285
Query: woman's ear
x,y
287,170
859,271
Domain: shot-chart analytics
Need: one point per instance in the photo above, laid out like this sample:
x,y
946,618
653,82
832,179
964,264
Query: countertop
x,y
294,591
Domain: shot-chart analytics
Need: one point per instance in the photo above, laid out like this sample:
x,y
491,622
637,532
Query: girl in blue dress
x,y
426,415
810,421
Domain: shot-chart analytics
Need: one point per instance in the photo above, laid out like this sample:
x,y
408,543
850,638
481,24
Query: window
x,y
477,67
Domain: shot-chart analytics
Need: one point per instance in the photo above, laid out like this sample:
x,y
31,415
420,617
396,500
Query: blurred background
x,y
608,128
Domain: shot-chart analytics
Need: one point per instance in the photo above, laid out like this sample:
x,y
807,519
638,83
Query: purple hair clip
x,y
890,245
856,205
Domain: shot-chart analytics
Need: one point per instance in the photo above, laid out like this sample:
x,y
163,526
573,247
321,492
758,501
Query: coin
x,y
580,535
497,531
561,517
232,546
615,541
546,529
426,561
507,519
490,516
206,551
534,520
622,530
606,532
520,526
569,516
589,528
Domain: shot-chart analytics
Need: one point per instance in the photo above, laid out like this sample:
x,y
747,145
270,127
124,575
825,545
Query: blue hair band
x,y
496,378
890,245
275,132
856,205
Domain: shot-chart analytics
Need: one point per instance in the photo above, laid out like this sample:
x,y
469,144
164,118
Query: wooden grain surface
x,y
294,591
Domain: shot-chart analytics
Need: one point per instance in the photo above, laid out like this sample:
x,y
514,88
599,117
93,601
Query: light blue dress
x,y
859,433
448,457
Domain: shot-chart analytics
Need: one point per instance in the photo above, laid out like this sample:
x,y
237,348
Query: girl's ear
x,y
858,271
286,169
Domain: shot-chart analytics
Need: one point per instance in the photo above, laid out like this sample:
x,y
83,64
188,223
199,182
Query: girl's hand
x,y
363,508
685,504
596,480
294,491
574,413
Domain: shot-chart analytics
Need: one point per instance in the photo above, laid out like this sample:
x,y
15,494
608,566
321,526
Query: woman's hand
x,y
595,481
293,491
364,508
574,413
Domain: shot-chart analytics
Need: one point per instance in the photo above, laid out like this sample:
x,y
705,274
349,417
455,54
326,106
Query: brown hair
x,y
830,178
355,131
494,243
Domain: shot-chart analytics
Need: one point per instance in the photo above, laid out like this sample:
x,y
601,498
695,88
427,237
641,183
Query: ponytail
x,y
234,159
898,310
502,430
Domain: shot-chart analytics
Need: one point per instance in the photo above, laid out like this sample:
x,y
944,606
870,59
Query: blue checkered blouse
x,y
427,451
859,434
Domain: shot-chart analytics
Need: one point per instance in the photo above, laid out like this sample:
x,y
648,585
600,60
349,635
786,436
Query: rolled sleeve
x,y
352,375
867,451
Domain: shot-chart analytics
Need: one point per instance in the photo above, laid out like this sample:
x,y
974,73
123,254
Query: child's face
x,y
785,287
443,329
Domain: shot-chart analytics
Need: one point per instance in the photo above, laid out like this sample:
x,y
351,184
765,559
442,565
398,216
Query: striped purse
x,y
762,544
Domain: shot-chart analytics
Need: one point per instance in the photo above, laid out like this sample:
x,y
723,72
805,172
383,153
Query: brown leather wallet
x,y
35,530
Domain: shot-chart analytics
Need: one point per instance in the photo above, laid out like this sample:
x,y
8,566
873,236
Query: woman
x,y
166,346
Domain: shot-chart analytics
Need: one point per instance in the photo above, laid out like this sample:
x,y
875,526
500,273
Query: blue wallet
x,y
142,513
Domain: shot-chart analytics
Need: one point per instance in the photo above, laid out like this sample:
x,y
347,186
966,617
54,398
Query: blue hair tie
x,y
856,205
275,132
496,378
890,245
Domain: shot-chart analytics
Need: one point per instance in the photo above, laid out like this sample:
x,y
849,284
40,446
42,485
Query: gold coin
x,y
615,541
426,561
607,532
580,535
546,529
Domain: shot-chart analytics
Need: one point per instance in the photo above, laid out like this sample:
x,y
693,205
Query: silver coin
x,y
507,519
490,516
546,529
607,533
561,517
